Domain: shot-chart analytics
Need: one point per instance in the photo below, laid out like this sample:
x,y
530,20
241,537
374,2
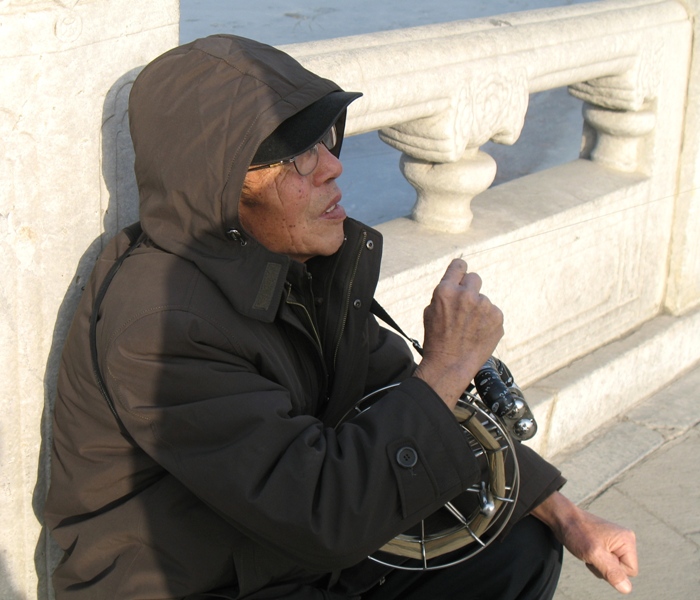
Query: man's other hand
x,y
609,551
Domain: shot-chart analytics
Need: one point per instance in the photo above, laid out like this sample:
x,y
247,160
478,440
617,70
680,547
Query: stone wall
x,y
66,67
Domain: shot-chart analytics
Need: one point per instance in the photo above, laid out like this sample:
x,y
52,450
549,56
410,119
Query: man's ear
x,y
248,196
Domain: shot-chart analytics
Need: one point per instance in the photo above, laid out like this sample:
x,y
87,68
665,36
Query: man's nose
x,y
329,165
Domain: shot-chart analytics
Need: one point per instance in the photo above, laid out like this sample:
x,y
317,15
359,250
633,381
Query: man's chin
x,y
332,246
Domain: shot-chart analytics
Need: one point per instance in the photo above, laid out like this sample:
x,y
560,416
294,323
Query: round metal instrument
x,y
473,520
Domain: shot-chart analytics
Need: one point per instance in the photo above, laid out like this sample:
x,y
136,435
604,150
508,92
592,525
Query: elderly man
x,y
198,444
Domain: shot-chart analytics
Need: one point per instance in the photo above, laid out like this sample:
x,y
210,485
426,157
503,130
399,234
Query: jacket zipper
x,y
319,345
291,302
346,305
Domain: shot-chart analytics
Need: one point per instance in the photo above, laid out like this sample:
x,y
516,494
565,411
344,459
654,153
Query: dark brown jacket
x,y
229,367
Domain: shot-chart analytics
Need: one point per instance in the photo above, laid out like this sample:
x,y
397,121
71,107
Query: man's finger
x,y
610,569
457,274
628,558
455,271
619,581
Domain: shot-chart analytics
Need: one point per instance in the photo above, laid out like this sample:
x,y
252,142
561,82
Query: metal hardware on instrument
x,y
491,418
498,390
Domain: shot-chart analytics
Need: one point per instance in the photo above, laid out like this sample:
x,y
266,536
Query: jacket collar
x,y
252,278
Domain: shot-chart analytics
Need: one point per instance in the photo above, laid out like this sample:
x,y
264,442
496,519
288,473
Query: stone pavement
x,y
643,471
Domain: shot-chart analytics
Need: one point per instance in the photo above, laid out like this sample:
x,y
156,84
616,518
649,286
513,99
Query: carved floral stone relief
x,y
491,108
489,105
68,27
68,24
630,90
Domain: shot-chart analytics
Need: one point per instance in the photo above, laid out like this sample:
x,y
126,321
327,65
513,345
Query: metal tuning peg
x,y
520,421
501,395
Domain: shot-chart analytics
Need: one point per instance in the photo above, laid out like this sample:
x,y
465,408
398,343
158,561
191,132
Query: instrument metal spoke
x,y
502,499
456,514
477,539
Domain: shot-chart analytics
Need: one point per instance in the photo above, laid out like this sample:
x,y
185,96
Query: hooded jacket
x,y
231,368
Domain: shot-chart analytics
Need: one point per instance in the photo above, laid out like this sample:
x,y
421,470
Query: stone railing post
x,y
683,292
445,190
66,67
620,115
619,137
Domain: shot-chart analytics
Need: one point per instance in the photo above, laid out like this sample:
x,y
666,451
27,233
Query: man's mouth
x,y
335,211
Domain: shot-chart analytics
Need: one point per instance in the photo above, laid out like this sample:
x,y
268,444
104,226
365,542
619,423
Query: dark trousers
x,y
525,565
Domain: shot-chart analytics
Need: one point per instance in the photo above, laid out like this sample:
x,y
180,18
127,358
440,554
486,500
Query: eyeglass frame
x,y
330,137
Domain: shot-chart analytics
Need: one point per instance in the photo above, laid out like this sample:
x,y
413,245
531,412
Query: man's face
x,y
299,216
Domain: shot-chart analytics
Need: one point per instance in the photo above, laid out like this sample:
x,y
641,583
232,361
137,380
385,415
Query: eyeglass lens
x,y
305,163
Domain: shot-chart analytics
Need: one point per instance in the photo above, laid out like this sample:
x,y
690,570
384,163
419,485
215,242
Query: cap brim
x,y
304,130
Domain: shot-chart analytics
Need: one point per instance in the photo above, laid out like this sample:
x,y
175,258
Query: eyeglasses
x,y
305,163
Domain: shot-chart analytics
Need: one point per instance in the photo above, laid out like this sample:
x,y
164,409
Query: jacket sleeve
x,y
322,497
538,480
391,360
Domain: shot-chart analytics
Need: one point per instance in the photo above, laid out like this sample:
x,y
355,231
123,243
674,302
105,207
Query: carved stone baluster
x,y
445,190
619,136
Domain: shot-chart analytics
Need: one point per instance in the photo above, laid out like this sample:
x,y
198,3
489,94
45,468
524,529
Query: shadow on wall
x,y
119,202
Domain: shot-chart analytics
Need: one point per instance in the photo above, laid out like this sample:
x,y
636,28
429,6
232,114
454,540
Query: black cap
x,y
304,130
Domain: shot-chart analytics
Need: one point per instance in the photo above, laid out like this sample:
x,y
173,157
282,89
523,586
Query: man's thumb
x,y
617,578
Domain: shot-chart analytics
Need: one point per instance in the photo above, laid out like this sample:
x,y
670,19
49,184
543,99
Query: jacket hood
x,y
197,116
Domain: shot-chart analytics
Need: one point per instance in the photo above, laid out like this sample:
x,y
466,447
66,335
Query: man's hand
x,y
609,551
462,329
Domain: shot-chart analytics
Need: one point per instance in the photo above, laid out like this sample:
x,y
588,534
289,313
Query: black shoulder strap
x,y
378,311
136,236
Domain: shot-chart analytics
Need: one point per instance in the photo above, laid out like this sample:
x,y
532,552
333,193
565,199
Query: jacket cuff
x,y
436,465
538,480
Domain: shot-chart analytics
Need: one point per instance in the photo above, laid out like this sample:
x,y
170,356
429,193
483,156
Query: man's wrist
x,y
557,512
449,382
